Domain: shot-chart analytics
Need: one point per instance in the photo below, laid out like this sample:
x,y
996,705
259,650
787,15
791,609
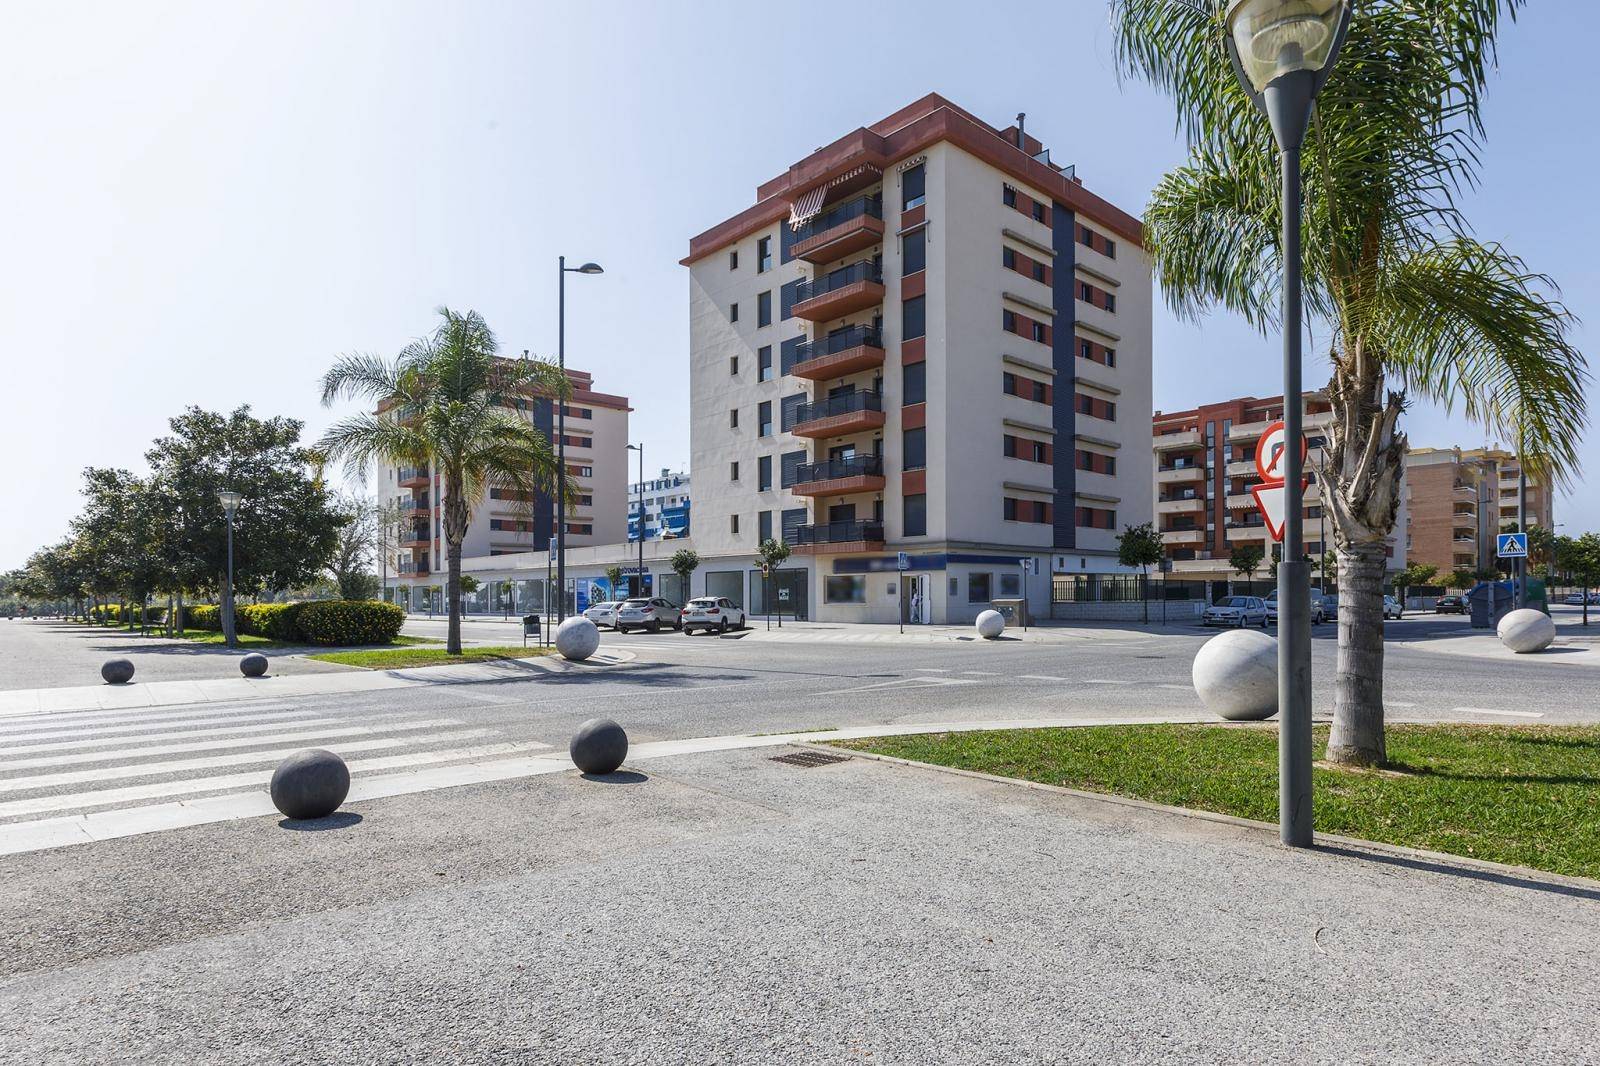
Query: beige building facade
x,y
924,338
1460,499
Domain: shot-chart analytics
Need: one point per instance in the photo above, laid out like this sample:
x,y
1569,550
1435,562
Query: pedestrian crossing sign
x,y
1511,546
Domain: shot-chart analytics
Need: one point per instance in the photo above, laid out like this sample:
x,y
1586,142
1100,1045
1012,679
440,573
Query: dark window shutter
x,y
789,463
786,298
787,357
790,405
793,519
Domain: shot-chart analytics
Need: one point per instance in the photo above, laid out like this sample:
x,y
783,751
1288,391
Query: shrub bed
x,y
347,622
203,616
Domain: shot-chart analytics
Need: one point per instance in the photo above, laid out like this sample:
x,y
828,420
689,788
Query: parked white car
x,y
604,613
1392,608
1238,611
1319,612
649,614
712,613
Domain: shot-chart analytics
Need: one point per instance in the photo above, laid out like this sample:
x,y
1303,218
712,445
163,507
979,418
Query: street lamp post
x,y
1282,52
230,504
561,427
640,449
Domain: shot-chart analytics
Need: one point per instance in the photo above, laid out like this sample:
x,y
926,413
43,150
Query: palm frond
x,y
360,377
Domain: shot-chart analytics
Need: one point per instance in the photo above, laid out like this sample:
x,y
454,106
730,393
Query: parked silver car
x,y
604,613
1238,611
649,614
710,613
1319,610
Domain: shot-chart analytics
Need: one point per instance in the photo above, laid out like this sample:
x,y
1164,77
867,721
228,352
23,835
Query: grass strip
x,y
401,658
1525,795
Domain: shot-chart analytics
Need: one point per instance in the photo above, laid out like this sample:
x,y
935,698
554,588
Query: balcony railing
x,y
854,531
415,534
866,270
870,205
842,341
833,469
414,503
843,404
412,473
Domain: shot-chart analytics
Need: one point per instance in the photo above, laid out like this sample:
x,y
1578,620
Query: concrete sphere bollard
x,y
117,671
1236,675
991,624
577,638
253,665
599,746
310,784
1526,631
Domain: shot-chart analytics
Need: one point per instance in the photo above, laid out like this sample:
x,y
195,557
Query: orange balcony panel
x,y
852,235
842,301
838,425
838,364
841,548
840,486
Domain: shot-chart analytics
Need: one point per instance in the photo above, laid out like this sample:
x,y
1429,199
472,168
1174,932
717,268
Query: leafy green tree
x,y
354,548
286,528
1580,557
685,561
1141,546
1409,576
447,402
1461,580
614,579
773,553
1246,559
1411,301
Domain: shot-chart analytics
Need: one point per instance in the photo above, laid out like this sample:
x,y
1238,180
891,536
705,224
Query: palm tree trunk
x,y
1356,738
452,594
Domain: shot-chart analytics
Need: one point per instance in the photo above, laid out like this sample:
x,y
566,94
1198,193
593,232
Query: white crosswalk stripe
x,y
279,717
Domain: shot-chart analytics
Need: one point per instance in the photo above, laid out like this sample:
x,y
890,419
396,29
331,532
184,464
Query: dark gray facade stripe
x,y
1063,341
544,511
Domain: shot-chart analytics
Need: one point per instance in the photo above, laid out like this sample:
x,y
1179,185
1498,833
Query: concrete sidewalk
x,y
283,686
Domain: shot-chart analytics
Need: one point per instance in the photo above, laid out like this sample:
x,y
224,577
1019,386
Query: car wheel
x,y
722,626
654,627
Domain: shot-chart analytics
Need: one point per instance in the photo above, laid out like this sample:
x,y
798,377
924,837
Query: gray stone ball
x,y
1526,631
599,746
577,638
310,784
253,665
117,671
1236,675
991,624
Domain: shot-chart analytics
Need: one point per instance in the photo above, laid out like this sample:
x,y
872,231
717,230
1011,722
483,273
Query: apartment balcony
x,y
412,477
843,352
1465,492
1192,505
1237,534
1179,475
839,292
827,538
1239,501
1241,468
839,477
412,536
834,416
413,567
1249,430
415,503
1183,536
1170,442
840,230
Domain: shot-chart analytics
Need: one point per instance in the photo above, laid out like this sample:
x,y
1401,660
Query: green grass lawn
x,y
406,657
250,640
1526,795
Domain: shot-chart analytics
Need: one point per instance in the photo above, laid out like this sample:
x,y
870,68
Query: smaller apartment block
x,y
1458,500
1204,470
666,506
596,455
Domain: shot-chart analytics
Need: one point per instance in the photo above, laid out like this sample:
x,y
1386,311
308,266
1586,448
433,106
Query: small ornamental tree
x,y
1415,574
1141,546
773,554
1246,559
685,561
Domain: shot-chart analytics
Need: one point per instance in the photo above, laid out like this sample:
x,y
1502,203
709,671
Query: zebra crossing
x,y
73,777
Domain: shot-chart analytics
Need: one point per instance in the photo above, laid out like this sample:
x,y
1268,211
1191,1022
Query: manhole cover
x,y
809,759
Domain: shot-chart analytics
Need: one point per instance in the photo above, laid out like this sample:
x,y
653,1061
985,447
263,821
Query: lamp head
x,y
1271,38
591,268
230,500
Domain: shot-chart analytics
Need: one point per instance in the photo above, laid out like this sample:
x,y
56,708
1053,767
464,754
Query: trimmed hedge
x,y
203,616
276,621
351,621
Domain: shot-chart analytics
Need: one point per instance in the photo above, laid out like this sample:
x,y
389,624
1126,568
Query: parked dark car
x,y
1450,605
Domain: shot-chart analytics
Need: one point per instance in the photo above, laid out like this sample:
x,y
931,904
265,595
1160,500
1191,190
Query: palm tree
x,y
1412,303
447,402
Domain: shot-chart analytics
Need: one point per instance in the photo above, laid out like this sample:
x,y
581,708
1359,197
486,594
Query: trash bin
x,y
1490,602
1015,612
530,626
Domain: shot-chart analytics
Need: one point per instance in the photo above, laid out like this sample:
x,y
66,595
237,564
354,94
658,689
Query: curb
x,y
1583,885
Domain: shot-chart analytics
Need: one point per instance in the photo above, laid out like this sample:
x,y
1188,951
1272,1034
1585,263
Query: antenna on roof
x,y
1022,119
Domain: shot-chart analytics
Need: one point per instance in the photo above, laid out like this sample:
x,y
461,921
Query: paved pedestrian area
x,y
720,907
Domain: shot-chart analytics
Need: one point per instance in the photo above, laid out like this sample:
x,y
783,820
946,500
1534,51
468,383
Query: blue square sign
x,y
1511,545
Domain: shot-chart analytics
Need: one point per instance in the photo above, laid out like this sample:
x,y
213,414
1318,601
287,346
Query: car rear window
x,y
637,603
702,603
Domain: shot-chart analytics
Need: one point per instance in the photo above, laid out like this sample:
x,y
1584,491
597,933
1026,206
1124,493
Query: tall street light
x,y
640,449
1283,51
561,429
230,504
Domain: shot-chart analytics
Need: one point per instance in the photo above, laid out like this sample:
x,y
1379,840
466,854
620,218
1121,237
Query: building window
x,y
1038,211
1008,196
764,418
1111,356
912,324
1008,258
733,259
915,446
733,418
764,526
763,255
1008,321
1010,585
764,309
763,474
914,383
1039,333
733,520
1034,451
733,312
845,588
1039,271
914,252
977,588
733,366
914,511
733,470
1036,511
1111,302
1027,388
913,188
1095,407
764,363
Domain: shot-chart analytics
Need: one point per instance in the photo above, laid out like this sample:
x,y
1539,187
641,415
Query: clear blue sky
x,y
206,203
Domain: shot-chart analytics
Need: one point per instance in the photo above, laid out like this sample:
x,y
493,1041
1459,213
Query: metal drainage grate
x,y
809,759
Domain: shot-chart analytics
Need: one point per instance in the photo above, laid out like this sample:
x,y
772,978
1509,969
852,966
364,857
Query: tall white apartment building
x,y
924,338
597,460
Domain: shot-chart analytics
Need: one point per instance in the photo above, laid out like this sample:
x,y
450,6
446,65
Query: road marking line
x,y
108,796
1102,681
982,673
1490,710
88,719
906,682
77,758
223,731
1397,703
1041,677
283,718
111,773
1180,688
